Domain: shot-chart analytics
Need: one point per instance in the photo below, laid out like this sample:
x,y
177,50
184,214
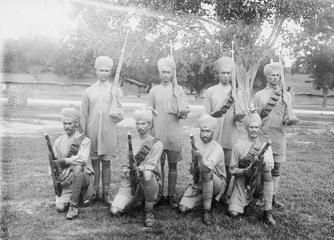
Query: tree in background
x,y
314,50
201,31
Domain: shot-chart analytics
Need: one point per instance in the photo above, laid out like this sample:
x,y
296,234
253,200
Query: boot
x,y
172,201
207,218
73,212
268,218
277,204
149,218
106,199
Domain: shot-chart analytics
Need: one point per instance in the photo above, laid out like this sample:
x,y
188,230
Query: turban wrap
x,y
70,114
207,122
104,61
253,117
224,63
144,114
275,66
166,62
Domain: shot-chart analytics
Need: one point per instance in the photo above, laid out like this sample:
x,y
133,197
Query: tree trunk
x,y
324,96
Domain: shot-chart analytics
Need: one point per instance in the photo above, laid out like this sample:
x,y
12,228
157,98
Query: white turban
x,y
208,122
144,114
104,61
70,114
166,62
224,63
253,117
271,67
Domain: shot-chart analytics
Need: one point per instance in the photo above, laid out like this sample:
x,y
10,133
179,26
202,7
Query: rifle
x,y
291,117
55,172
257,166
181,104
114,107
238,112
132,166
194,159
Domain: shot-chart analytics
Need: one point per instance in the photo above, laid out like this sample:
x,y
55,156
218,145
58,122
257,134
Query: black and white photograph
x,y
167,119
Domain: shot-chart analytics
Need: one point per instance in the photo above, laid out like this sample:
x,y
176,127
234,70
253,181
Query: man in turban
x,y
99,126
221,104
147,152
72,151
166,98
274,106
244,154
212,174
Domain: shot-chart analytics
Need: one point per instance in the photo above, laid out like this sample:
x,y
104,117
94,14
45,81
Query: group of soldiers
x,y
89,146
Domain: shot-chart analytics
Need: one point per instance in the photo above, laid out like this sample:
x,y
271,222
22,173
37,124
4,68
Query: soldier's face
x,y
69,127
143,127
103,73
253,129
206,135
224,75
274,78
166,74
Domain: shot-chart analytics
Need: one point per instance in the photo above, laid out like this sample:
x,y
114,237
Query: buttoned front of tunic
x,y
272,125
99,127
226,130
213,157
166,126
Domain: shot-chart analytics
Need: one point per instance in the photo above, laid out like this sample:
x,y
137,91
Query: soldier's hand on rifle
x,y
248,172
62,162
292,121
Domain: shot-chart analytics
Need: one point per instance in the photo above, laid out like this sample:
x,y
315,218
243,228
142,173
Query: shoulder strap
x,y
250,156
76,145
145,150
274,97
226,106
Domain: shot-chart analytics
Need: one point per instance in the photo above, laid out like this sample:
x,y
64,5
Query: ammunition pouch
x,y
228,103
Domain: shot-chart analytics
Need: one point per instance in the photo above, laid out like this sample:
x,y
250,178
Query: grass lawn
x,y
27,200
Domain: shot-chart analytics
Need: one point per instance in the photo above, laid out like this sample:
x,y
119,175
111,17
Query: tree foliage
x,y
201,30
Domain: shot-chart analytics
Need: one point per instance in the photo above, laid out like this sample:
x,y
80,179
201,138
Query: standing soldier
x,y
244,155
99,126
147,152
212,174
72,151
220,103
165,99
275,109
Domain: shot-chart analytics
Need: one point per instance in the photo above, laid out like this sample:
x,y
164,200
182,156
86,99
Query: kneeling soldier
x,y
212,173
245,154
72,151
147,151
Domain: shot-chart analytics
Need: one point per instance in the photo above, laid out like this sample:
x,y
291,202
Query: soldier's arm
x,y
153,158
84,110
207,103
234,165
151,102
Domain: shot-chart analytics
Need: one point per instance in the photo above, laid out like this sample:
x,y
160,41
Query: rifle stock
x,y
55,173
194,159
132,163
114,105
